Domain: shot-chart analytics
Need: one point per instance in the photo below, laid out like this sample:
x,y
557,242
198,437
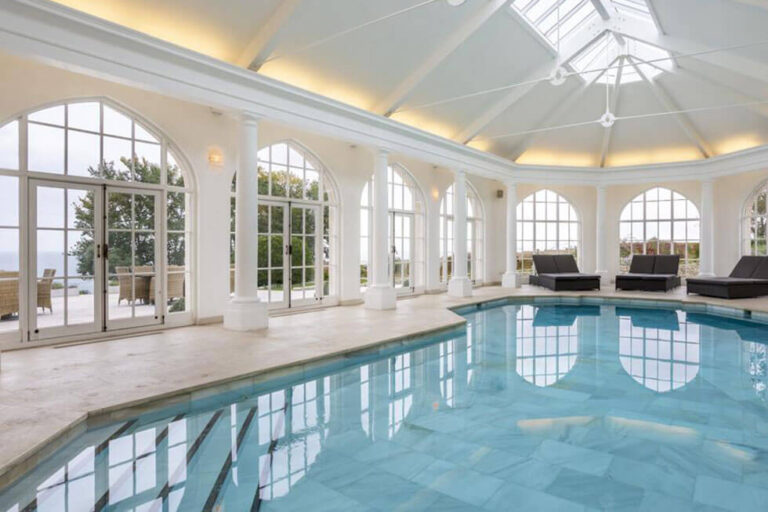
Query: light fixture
x,y
215,157
607,120
455,3
558,76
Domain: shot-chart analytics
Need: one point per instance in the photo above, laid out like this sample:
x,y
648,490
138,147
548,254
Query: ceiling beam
x,y
613,109
576,45
754,3
396,98
675,45
601,9
557,111
669,104
761,109
263,43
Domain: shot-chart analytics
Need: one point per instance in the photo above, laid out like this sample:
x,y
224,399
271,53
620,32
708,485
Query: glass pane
x,y
147,167
84,116
9,252
145,288
276,251
177,291
277,286
9,201
50,207
80,209
120,296
263,260
142,133
145,211
117,159
80,301
9,286
177,254
297,248
277,219
263,219
83,154
45,148
49,297
309,250
80,253
52,115
120,252
50,252
9,146
176,211
120,210
174,175
145,252
296,220
116,123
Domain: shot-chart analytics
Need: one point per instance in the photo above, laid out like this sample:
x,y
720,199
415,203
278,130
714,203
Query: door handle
x,y
106,251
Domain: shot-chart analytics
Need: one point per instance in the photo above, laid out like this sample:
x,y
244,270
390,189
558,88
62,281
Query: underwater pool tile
x,y
457,482
594,491
531,500
729,495
565,455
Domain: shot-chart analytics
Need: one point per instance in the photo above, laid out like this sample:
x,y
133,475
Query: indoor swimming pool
x,y
530,406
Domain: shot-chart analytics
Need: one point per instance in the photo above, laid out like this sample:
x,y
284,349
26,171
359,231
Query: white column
x,y
460,285
509,279
707,235
600,234
245,311
381,294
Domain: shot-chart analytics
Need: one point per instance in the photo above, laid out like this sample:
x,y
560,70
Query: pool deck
x,y
49,395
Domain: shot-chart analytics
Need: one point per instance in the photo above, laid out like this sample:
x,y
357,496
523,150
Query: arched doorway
x,y
95,224
297,228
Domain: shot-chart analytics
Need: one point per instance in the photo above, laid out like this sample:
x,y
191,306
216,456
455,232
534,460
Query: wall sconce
x,y
215,157
435,194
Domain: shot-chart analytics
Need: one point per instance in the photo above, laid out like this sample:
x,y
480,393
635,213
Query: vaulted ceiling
x,y
686,79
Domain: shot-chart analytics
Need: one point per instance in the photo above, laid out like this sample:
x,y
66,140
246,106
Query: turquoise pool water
x,y
530,407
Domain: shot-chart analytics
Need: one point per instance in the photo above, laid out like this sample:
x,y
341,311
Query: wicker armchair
x,y
44,286
9,293
175,284
124,279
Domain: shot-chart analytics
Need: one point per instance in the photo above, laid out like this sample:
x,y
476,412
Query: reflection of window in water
x,y
447,365
545,354
177,462
132,464
400,397
365,399
71,487
659,359
310,411
756,361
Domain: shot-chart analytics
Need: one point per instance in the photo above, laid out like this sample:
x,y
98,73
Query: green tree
x,y
119,217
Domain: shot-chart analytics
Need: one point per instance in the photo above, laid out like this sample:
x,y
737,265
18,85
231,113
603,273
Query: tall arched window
x,y
754,221
475,232
297,228
660,221
546,223
109,204
406,231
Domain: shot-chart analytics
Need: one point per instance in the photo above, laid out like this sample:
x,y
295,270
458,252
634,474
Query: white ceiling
x,y
405,54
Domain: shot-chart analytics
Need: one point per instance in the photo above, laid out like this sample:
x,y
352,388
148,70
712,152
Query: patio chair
x,y
651,273
124,280
9,293
44,286
749,278
175,284
559,272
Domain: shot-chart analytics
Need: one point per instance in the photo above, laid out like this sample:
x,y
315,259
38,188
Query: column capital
x,y
510,182
460,172
250,118
601,186
707,180
383,151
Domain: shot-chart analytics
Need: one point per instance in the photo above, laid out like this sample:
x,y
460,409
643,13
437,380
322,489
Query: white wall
x,y
196,128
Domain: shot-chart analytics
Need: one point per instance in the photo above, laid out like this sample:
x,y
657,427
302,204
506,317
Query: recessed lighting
x,y
455,3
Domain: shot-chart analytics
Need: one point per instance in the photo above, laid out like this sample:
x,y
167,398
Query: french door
x,y
95,260
290,254
401,241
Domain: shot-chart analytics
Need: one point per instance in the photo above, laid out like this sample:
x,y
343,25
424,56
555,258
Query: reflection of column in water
x,y
510,313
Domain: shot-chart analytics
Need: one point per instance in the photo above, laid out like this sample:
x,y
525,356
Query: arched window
x,y
546,223
475,232
660,359
110,208
297,228
406,231
754,221
660,221
546,351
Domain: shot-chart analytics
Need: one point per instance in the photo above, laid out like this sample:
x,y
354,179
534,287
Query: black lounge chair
x,y
559,272
650,273
749,278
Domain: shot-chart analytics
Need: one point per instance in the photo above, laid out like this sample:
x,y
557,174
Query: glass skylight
x,y
556,20
604,52
543,15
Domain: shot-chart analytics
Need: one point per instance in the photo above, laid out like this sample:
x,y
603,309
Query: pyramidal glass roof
x,y
557,20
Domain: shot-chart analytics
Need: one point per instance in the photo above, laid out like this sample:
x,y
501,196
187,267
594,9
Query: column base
x,y
246,315
460,287
605,277
380,297
706,274
510,280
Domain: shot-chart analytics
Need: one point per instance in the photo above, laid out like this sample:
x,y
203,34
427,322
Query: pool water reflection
x,y
553,407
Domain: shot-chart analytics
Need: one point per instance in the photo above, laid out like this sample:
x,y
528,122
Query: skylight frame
x,y
537,12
